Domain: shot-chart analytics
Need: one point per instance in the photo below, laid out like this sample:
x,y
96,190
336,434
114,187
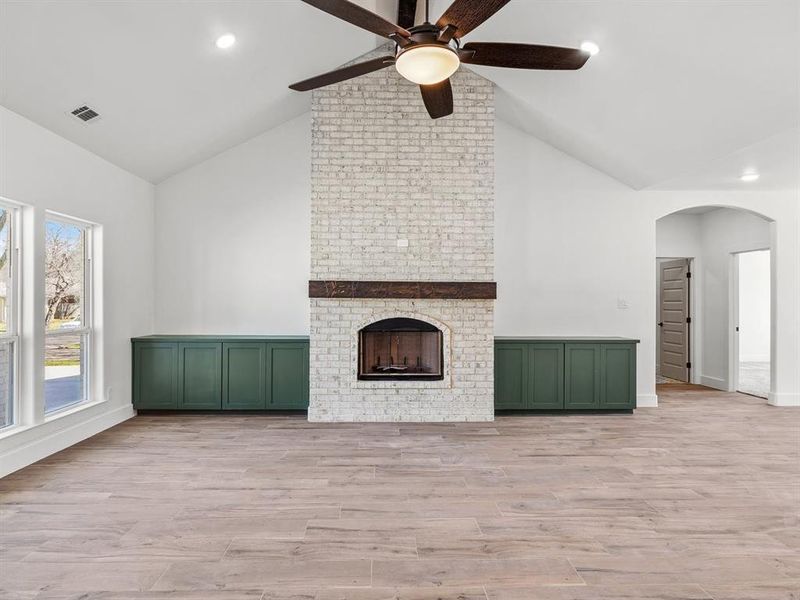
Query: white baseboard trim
x,y
646,401
37,449
714,382
783,399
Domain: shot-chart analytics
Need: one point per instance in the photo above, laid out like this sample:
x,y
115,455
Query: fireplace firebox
x,y
400,349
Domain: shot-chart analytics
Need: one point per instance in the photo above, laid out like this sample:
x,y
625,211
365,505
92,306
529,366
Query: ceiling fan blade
x,y
406,13
360,17
438,98
523,56
466,15
376,64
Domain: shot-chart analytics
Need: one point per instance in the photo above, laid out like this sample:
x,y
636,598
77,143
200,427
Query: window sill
x,y
72,409
13,430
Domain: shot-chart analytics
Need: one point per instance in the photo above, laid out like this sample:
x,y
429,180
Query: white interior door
x,y
674,320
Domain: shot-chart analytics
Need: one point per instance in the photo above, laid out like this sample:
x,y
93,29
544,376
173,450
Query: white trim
x,y
646,401
43,447
57,216
713,382
13,304
785,400
65,332
733,322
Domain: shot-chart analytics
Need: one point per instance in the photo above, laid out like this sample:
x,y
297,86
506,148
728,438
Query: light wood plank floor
x,y
694,500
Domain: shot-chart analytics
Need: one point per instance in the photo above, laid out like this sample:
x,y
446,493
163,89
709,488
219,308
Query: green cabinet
x,y
510,376
200,376
617,376
155,375
582,376
227,373
565,373
272,373
546,376
529,376
244,375
287,376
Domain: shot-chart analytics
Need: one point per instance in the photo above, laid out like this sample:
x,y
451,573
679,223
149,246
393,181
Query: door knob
x,y
661,324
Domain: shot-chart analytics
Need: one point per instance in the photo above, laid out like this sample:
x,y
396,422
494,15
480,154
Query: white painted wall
x,y
754,303
572,246
679,236
233,239
565,248
46,172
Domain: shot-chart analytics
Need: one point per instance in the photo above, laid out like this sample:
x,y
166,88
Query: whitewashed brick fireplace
x,y
383,174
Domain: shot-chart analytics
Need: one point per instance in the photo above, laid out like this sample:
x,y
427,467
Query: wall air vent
x,y
85,113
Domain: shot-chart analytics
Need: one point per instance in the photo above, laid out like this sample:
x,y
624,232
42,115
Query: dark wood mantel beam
x,y
454,290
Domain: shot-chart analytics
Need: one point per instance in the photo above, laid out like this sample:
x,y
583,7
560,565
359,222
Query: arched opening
x,y
400,348
714,284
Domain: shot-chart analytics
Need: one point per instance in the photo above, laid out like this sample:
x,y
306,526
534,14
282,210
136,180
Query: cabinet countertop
x,y
568,339
209,338
305,338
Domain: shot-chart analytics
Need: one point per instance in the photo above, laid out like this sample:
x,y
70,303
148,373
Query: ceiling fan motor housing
x,y
425,35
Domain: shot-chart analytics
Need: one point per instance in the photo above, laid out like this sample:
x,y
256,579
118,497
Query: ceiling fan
x,y
428,54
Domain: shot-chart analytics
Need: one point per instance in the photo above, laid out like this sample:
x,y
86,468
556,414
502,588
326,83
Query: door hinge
x,y
688,274
688,319
688,365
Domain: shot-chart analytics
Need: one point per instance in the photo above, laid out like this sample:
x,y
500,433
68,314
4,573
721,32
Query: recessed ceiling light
x,y
590,47
226,41
749,176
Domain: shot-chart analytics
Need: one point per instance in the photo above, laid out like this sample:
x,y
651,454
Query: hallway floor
x,y
694,500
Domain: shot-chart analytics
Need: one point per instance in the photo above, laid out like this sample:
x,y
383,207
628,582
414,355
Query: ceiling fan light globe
x,y
427,65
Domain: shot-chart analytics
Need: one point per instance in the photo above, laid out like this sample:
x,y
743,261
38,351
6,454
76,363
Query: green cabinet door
x,y
155,380
546,376
510,376
581,376
244,375
618,376
200,381
287,376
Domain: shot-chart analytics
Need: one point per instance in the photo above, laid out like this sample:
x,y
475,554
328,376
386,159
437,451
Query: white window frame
x,y
86,331
11,335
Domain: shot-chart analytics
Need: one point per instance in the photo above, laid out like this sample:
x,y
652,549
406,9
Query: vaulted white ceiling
x,y
683,95
168,97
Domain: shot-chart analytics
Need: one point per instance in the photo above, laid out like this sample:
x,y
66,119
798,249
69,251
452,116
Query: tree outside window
x,y
64,275
67,331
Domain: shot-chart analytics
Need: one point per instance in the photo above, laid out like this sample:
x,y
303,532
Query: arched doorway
x,y
698,298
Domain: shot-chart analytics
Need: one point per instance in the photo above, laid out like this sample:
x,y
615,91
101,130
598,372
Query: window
x,y
68,317
8,320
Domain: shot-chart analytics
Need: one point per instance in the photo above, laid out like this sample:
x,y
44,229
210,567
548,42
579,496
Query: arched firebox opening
x,y
400,349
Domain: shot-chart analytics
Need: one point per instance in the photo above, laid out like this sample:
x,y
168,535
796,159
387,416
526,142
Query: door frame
x,y
733,316
693,353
